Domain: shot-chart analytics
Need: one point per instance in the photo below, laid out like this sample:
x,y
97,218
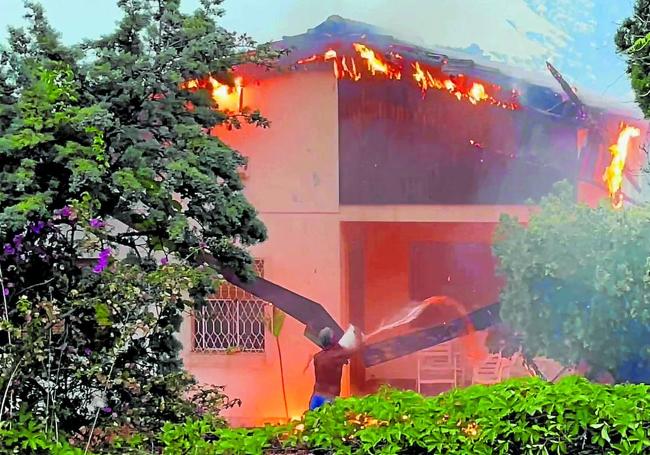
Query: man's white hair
x,y
325,337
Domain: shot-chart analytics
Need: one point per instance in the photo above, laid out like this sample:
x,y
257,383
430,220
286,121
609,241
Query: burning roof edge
x,y
336,29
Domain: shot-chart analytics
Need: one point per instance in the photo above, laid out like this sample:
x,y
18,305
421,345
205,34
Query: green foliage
x,y
110,188
26,435
632,40
596,261
525,416
519,416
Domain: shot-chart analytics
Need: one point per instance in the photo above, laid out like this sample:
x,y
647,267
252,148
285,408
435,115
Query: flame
x,y
376,63
613,175
477,93
228,98
328,55
350,70
426,78
420,77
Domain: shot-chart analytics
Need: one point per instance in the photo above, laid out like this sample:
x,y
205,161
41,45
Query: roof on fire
x,y
540,87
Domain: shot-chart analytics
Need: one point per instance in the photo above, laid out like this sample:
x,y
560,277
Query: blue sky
x,y
576,35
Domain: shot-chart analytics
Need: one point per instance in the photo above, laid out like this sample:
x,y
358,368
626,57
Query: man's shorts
x,y
317,401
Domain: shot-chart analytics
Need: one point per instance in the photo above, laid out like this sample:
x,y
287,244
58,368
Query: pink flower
x,y
164,261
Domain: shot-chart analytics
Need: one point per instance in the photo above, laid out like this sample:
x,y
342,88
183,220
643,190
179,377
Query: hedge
x,y
519,416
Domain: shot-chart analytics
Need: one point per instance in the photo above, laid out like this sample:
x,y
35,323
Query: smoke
x,y
505,30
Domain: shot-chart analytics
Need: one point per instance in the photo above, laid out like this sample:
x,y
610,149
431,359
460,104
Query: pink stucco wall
x,y
293,182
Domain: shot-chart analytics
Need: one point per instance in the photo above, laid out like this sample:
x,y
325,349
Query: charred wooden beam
x,y
570,92
310,313
400,346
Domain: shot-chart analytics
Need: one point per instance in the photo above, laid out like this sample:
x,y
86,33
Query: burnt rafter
x,y
403,345
315,317
570,92
312,314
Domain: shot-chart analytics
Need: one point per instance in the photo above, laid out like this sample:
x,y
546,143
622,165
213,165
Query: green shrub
x,y
25,435
520,416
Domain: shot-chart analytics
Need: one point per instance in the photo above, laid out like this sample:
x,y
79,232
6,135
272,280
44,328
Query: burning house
x,y
381,182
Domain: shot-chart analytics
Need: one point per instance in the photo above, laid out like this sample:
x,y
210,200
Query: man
x,y
328,368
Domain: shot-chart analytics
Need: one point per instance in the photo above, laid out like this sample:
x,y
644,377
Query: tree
x,y
110,186
633,41
577,284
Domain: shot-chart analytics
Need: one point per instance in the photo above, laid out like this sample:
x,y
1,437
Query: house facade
x,y
378,191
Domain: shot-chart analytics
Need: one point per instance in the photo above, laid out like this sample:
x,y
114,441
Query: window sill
x,y
219,359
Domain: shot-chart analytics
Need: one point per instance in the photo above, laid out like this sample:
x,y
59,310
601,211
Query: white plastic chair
x,y
492,370
437,365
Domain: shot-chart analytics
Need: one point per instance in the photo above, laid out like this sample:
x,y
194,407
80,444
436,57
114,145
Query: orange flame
x,y
350,69
477,93
613,175
330,54
376,63
227,98
391,67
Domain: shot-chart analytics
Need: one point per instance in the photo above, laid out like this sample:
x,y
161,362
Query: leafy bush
x,y
520,416
26,435
112,198
632,39
577,281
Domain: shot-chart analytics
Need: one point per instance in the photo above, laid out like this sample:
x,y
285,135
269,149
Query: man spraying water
x,y
329,362
328,365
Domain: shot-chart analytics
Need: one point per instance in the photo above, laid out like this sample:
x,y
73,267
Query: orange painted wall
x,y
293,182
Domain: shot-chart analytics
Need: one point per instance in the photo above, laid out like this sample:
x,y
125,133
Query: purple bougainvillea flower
x,y
102,262
87,351
65,212
5,291
96,223
9,249
18,240
164,261
107,409
37,227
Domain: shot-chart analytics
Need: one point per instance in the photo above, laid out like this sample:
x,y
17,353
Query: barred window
x,y
233,320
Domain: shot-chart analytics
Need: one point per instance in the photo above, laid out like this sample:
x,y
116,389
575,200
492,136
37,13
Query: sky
x,y
575,35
